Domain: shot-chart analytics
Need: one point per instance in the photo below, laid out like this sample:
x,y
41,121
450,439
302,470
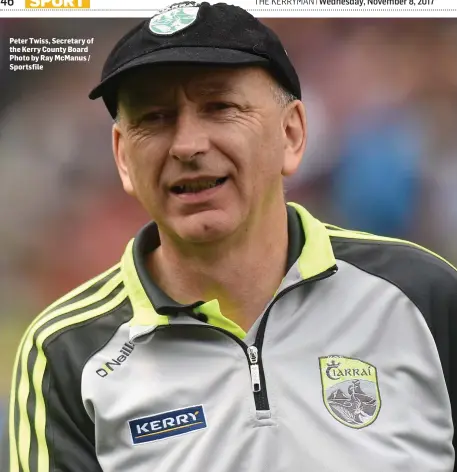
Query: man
x,y
238,333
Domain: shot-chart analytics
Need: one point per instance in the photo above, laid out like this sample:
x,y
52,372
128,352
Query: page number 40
x,y
8,3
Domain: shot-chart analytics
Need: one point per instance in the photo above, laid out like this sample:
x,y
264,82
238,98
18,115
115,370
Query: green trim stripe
x,y
329,226
14,459
343,233
40,367
317,255
144,313
29,344
213,312
19,455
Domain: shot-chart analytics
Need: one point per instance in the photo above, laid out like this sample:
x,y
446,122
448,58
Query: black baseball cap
x,y
196,33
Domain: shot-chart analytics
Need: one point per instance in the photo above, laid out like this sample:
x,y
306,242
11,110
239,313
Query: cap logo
x,y
175,19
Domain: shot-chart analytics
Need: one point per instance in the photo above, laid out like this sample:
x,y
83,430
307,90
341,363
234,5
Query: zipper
x,y
254,352
260,394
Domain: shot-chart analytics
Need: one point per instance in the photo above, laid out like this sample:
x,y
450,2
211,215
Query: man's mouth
x,y
197,185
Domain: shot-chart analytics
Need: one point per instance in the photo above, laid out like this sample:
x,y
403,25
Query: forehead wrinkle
x,y
160,87
138,92
210,89
137,98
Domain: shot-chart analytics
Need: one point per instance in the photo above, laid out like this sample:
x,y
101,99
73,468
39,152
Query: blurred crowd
x,y
381,101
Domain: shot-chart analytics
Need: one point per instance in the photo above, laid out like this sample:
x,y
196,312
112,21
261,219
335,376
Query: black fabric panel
x,y
429,282
73,313
31,401
69,430
32,357
31,404
296,237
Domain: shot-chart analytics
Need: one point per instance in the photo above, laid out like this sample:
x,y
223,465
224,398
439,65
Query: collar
x,y
152,307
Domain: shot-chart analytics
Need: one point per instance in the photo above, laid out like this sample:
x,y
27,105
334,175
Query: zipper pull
x,y
253,354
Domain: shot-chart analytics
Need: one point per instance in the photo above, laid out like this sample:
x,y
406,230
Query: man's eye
x,y
219,106
154,117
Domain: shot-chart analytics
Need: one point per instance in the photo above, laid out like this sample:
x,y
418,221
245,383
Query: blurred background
x,y
381,100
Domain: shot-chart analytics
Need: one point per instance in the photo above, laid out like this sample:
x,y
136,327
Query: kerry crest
x,y
350,390
174,18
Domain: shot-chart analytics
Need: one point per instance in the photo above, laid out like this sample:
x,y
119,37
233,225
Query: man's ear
x,y
295,133
121,157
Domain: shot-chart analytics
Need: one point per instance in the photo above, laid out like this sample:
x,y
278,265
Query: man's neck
x,y
242,276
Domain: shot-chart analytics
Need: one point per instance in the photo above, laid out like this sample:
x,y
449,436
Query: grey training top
x,y
348,369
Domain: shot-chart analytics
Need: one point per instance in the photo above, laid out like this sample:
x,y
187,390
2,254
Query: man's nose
x,y
190,138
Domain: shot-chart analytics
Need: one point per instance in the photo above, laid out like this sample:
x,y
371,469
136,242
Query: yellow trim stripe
x,y
329,226
215,317
14,459
342,233
143,310
40,367
24,384
21,454
317,254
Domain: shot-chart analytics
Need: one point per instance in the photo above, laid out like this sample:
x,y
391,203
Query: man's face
x,y
204,149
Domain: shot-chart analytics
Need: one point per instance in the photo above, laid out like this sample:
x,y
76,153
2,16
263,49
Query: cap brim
x,y
182,55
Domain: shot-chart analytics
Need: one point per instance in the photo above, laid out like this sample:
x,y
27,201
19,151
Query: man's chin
x,y
206,234
201,229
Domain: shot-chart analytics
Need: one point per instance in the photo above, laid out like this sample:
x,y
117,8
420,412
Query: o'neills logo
x,y
107,368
